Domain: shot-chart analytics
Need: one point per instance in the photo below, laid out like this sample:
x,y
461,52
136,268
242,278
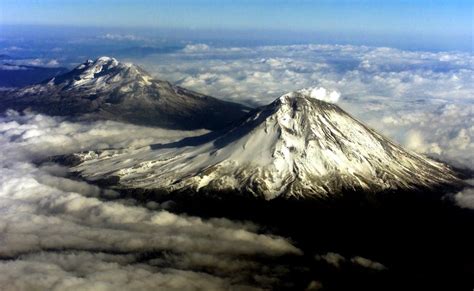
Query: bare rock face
x,y
108,89
297,146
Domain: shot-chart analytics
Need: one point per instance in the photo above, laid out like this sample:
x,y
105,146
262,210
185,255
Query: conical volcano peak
x,y
297,146
319,93
304,109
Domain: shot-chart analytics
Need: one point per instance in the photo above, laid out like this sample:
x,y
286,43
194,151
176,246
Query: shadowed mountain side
x,y
188,141
12,75
415,235
108,89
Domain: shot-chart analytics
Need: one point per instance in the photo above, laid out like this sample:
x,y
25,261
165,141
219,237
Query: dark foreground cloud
x,y
338,261
465,198
58,233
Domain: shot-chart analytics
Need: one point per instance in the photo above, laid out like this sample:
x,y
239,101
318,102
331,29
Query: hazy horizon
x,y
413,25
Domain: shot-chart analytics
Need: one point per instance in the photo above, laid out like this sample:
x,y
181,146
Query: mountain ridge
x,y
111,90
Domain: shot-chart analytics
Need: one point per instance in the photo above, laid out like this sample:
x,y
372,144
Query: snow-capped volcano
x,y
296,146
102,74
108,89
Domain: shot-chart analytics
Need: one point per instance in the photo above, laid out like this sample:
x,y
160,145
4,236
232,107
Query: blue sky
x,y
447,21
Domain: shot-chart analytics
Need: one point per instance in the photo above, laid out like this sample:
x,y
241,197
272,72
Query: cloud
x,y
59,233
369,264
196,48
331,258
13,49
465,198
120,37
414,141
100,271
314,285
337,260
14,64
321,93
37,136
8,67
442,131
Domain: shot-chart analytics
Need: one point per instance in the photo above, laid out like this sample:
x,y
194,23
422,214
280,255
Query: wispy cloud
x,y
120,37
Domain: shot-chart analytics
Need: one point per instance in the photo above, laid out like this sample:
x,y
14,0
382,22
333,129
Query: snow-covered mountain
x,y
296,146
108,89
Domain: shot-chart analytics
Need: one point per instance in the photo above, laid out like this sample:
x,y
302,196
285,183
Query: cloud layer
x,y
58,233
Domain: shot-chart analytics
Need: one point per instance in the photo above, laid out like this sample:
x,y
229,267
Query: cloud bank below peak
x,y
59,233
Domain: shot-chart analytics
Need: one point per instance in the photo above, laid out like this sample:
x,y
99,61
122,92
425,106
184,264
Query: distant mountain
x,y
296,146
108,89
14,76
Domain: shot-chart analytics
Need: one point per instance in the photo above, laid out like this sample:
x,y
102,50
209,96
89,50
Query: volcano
x,y
112,90
297,146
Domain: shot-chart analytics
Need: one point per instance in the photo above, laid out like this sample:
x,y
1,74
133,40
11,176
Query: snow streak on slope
x,y
296,146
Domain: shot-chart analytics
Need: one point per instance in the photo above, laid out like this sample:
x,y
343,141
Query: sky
x,y
443,24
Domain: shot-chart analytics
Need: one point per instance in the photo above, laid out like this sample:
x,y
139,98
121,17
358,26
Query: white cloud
x,y
443,131
36,136
10,67
120,37
196,48
465,198
13,64
321,93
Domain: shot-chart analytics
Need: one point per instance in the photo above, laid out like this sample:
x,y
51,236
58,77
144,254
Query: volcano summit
x,y
297,146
